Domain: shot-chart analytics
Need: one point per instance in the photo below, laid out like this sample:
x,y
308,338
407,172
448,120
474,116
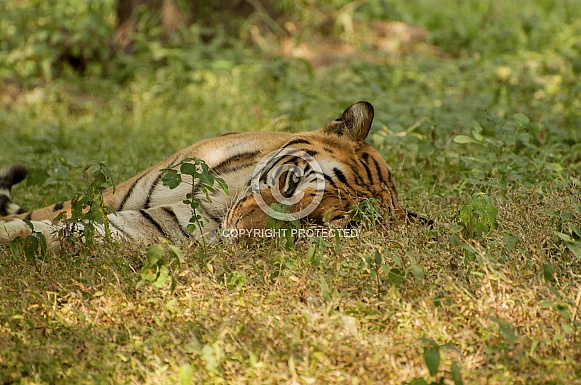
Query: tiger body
x,y
145,210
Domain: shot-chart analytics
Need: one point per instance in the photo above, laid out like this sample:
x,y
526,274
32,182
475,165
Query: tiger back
x,y
318,176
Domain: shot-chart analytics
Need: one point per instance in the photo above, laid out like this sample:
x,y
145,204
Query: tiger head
x,y
318,177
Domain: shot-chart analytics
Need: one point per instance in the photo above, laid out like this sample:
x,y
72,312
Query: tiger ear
x,y
354,123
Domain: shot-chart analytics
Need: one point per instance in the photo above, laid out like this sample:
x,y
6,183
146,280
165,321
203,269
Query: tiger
x,y
318,176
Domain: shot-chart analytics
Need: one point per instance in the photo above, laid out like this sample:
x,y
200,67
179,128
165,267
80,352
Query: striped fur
x,y
146,210
9,176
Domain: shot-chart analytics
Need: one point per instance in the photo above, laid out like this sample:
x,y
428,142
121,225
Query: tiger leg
x,y
143,226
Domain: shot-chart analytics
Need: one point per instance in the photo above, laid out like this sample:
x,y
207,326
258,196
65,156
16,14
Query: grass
x,y
503,305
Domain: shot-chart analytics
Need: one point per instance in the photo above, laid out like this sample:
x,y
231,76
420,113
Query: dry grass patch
x,y
261,314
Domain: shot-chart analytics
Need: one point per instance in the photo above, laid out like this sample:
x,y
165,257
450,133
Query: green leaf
x,y
155,252
176,253
463,139
188,169
162,277
378,259
565,237
576,250
554,167
418,272
432,359
207,179
209,356
16,247
30,247
548,272
509,241
550,213
456,375
476,127
171,178
455,240
395,277
521,119
223,185
396,258
575,232
458,228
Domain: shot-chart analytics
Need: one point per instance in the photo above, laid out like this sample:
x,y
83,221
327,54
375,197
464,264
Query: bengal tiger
x,y
320,175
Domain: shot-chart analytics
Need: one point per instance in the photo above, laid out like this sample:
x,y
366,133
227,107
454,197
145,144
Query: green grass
x,y
505,306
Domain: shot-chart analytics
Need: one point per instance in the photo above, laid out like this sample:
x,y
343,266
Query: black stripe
x,y
234,161
4,202
281,161
312,152
21,211
358,180
174,217
339,174
58,206
28,216
296,141
330,180
378,170
348,188
153,222
128,195
146,205
365,157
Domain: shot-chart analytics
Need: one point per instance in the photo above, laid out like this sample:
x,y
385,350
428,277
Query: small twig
x,y
577,302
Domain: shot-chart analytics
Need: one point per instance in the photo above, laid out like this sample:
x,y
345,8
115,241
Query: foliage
x,y
158,266
367,213
479,217
41,38
201,180
282,227
88,209
568,229
32,246
432,359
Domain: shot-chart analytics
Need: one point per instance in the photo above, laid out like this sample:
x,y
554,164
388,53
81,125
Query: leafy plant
x,y
41,39
88,209
163,263
510,150
567,229
201,179
281,227
478,218
33,246
380,272
316,251
432,359
236,280
367,213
